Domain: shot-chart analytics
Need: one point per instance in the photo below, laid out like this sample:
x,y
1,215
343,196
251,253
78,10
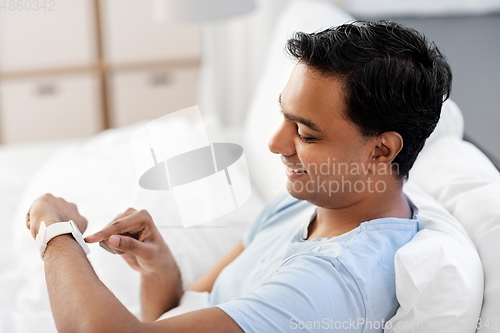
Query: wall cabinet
x,y
150,94
46,108
61,35
78,67
132,34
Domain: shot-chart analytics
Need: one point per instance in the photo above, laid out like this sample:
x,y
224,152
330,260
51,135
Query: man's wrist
x,y
64,242
164,274
160,292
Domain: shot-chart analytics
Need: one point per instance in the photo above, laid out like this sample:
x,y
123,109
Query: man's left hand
x,y
50,209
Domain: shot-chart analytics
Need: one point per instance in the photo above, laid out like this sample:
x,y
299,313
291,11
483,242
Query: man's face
x,y
314,108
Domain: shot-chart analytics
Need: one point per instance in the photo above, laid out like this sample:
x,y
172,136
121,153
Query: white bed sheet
x,y
19,164
97,174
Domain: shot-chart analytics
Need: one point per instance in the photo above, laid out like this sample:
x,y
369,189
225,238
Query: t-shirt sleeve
x,y
306,292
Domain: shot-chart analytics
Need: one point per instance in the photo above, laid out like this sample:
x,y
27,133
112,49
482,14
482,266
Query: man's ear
x,y
387,147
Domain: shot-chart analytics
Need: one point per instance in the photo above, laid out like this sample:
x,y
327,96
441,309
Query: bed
x,y
447,277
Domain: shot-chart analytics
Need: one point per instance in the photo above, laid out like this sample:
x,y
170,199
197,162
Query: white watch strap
x,y
45,234
79,237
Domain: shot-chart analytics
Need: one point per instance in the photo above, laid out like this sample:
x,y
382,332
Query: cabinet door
x,y
49,108
40,34
133,34
150,94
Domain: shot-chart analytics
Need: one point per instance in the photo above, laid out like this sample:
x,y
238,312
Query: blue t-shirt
x,y
283,282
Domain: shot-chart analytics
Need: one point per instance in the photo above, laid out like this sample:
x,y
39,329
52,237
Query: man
x,y
357,110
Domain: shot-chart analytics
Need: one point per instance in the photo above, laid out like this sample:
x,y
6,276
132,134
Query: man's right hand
x,y
135,237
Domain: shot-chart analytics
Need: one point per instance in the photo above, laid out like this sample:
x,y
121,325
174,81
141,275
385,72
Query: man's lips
x,y
296,168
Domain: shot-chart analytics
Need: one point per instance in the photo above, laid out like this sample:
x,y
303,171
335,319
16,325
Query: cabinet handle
x,y
160,79
46,89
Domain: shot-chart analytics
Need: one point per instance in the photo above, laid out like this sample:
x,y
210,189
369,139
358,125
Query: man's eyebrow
x,y
300,120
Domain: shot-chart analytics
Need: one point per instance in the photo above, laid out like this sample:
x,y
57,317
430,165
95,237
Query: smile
x,y
301,170
293,173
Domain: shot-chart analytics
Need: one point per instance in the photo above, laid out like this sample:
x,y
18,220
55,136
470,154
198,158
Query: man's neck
x,y
335,222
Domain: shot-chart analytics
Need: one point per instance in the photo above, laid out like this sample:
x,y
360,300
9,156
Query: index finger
x,y
129,224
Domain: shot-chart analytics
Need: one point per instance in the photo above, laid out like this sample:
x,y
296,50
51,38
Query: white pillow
x,y
439,278
451,123
464,181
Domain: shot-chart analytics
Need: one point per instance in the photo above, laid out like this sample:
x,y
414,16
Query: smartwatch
x,y
45,234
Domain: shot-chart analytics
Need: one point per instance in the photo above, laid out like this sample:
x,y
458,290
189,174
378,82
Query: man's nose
x,y
281,142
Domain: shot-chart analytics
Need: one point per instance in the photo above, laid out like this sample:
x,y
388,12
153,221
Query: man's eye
x,y
303,138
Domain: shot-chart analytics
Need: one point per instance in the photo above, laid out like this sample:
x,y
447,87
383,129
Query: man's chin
x,y
300,195
313,197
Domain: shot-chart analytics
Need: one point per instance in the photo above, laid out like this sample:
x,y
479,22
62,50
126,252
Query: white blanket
x,y
98,176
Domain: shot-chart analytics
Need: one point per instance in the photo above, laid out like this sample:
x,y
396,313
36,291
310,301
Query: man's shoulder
x,y
280,208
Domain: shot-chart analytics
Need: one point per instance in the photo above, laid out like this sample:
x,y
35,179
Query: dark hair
x,y
394,79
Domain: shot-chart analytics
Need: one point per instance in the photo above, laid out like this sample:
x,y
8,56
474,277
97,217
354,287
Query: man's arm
x,y
160,292
81,303
79,300
207,280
